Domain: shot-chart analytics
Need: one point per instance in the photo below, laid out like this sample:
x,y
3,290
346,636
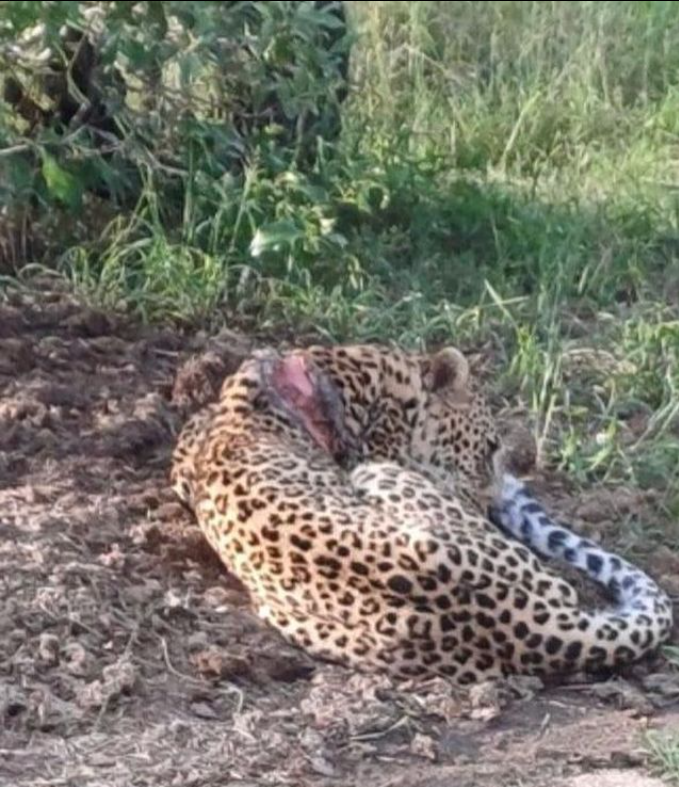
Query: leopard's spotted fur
x,y
395,564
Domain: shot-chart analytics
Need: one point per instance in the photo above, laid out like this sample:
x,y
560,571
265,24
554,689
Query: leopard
x,y
361,493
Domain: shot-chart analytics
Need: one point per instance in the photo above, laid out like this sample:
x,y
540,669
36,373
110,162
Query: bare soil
x,y
129,656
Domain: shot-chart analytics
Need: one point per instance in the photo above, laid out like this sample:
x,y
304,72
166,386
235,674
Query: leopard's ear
x,y
446,370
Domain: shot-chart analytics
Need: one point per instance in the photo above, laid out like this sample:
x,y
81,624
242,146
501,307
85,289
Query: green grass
x,y
663,753
507,178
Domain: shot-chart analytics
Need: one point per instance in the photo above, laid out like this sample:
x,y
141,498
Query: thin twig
x,y
231,688
373,736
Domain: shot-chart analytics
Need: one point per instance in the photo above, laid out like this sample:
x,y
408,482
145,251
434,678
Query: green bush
x,y
515,148
108,98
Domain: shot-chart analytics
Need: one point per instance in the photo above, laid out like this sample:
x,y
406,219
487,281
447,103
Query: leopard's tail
x,y
640,618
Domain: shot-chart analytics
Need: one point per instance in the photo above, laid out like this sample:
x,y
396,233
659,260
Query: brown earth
x,y
129,657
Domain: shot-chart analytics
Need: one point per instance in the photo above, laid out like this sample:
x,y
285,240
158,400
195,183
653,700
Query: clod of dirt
x,y
349,706
16,356
486,702
117,679
149,426
442,700
199,379
603,505
111,347
216,663
232,347
665,566
11,321
286,667
47,712
12,701
143,593
623,695
520,458
55,395
663,688
424,746
282,666
89,323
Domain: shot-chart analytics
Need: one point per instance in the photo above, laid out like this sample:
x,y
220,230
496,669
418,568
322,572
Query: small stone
x,y
424,746
48,649
78,661
203,711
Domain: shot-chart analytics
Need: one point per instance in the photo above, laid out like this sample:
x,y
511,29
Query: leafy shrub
x,y
107,98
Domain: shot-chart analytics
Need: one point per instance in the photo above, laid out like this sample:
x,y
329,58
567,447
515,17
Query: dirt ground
x,y
129,657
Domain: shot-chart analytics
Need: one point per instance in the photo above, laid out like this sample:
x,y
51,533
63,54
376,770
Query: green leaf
x,y
274,237
137,52
157,16
122,9
20,15
321,17
60,183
